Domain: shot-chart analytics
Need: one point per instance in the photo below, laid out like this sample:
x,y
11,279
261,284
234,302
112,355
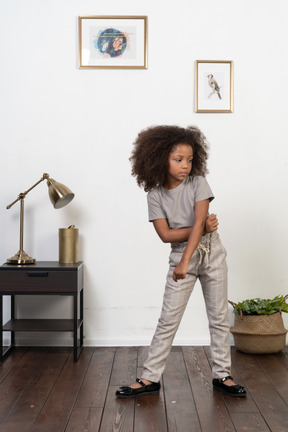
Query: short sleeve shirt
x,y
177,205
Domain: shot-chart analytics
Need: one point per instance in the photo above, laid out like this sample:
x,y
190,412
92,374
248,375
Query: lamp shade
x,y
59,194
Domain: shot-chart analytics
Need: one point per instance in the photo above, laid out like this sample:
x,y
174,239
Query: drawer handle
x,y
37,274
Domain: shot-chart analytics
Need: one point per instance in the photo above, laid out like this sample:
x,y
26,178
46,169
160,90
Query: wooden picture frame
x,y
112,42
214,86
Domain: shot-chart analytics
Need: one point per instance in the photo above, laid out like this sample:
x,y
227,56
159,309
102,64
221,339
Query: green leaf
x,y
260,306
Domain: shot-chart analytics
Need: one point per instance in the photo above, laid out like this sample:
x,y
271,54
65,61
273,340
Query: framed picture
x,y
112,42
214,86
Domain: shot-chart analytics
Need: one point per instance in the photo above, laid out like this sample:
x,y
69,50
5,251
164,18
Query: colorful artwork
x,y
111,42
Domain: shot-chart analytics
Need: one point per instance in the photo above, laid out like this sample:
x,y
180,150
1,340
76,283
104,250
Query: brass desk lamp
x,y
59,195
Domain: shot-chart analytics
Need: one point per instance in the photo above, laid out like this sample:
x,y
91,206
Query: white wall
x,y
79,126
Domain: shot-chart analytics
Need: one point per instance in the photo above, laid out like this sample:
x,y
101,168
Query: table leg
x,y
81,318
12,317
75,327
1,324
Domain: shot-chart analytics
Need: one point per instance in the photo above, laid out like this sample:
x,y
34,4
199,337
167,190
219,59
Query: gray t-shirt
x,y
177,205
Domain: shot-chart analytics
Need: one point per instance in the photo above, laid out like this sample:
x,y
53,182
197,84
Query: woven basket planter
x,y
259,334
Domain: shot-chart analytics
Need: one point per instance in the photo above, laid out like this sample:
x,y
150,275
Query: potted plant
x,y
258,325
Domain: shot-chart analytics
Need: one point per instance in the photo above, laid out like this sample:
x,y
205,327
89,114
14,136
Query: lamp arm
x,y
22,195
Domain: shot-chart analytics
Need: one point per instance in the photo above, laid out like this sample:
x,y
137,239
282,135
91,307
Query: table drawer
x,y
21,281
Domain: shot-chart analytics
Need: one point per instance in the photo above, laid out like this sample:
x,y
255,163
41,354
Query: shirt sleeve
x,y
155,210
202,188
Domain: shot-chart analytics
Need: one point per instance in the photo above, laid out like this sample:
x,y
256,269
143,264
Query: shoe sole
x,y
138,394
219,390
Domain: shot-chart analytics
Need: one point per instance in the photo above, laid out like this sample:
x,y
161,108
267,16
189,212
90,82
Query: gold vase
x,y
68,245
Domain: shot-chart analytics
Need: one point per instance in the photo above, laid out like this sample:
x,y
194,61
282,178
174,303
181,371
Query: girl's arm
x,y
168,235
201,210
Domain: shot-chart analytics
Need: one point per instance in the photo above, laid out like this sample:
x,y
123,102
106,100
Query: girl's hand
x,y
211,223
180,271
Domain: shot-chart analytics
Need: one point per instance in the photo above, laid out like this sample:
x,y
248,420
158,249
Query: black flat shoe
x,y
234,390
146,389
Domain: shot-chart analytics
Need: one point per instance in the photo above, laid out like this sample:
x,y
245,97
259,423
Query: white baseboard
x,y
137,342
55,340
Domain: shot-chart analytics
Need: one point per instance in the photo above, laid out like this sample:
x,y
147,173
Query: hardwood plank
x,y
180,406
276,373
283,357
84,419
118,414
96,381
125,366
66,349
58,407
19,378
10,361
213,414
271,405
27,407
149,410
252,422
150,414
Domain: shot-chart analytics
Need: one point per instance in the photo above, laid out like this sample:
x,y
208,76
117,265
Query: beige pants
x,y
208,263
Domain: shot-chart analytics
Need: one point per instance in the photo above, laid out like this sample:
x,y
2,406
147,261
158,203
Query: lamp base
x,y
21,258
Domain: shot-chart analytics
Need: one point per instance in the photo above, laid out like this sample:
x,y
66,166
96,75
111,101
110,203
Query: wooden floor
x,y
44,390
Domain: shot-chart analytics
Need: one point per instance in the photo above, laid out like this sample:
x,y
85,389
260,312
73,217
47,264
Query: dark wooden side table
x,y
43,278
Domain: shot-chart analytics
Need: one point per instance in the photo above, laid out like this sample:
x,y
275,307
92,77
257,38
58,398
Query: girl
x,y
170,163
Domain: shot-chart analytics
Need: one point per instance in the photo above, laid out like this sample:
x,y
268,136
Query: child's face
x,y
179,165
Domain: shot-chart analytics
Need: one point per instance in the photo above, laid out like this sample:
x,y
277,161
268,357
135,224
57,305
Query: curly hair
x,y
152,147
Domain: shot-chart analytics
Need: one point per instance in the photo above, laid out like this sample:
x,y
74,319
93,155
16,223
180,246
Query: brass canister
x,y
68,245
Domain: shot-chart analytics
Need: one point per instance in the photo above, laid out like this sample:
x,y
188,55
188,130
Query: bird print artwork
x,y
214,85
